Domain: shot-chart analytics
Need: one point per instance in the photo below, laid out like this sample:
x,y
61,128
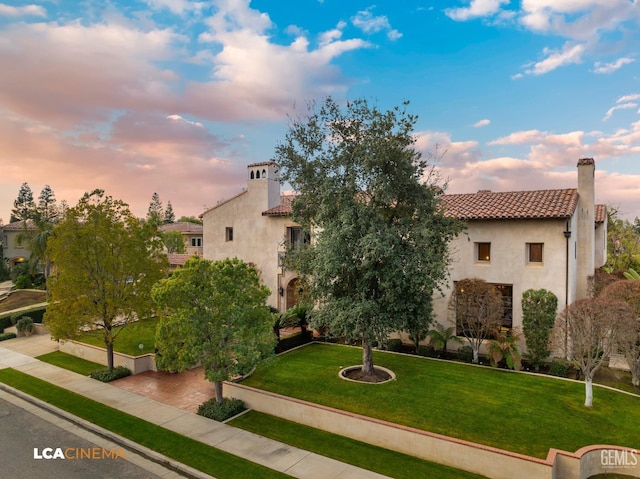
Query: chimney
x,y
264,180
585,237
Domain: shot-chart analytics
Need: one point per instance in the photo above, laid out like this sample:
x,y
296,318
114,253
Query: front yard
x,y
523,413
128,341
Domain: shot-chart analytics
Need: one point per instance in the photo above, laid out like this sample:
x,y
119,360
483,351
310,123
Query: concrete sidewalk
x,y
275,455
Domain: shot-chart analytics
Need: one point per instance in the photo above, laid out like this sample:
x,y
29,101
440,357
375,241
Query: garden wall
x,y
136,364
488,461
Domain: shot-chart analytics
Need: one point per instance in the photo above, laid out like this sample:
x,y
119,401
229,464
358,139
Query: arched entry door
x,y
294,290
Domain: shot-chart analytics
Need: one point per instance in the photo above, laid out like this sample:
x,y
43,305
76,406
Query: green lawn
x,y
70,362
181,448
128,341
518,412
360,454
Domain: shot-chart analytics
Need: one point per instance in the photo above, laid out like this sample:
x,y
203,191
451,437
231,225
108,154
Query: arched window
x,y
252,175
258,174
264,174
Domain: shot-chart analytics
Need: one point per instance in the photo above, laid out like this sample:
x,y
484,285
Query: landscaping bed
x,y
522,413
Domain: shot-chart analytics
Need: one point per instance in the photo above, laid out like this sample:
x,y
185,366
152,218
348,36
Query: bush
x,y
106,376
228,408
25,325
293,341
427,351
560,368
394,345
5,336
5,322
465,353
24,281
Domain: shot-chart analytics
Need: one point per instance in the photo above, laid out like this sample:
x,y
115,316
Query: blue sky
x,y
177,97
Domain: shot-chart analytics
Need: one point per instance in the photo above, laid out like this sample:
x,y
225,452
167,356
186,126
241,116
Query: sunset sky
x,y
178,97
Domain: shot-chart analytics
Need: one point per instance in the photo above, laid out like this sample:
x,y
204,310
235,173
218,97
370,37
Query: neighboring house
x,y
13,244
254,226
191,233
552,239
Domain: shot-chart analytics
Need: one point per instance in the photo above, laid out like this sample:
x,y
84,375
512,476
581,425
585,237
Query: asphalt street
x,y
25,435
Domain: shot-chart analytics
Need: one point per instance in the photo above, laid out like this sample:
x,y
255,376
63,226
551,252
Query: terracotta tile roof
x,y
283,209
19,225
182,226
486,205
178,259
601,213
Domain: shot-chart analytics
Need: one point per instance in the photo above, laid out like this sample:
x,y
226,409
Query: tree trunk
x,y
588,387
109,345
217,385
476,359
367,358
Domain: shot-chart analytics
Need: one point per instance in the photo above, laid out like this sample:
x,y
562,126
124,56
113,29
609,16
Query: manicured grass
x,y
523,413
340,448
128,340
70,362
183,449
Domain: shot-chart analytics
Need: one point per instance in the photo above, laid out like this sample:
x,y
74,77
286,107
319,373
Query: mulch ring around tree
x,y
354,373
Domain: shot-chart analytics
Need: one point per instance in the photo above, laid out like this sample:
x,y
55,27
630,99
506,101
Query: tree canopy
x,y
478,307
24,207
106,263
213,314
372,202
623,243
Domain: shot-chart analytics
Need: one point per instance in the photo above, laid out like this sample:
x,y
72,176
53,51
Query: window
x,y
296,237
483,252
534,252
228,234
196,242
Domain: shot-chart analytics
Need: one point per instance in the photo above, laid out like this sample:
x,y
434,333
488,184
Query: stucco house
x,y
191,233
552,239
254,226
14,250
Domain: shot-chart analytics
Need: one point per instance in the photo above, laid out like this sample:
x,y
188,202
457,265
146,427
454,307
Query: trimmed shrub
x,y
5,322
5,336
560,368
228,408
394,345
427,351
24,281
106,376
465,353
25,325
294,341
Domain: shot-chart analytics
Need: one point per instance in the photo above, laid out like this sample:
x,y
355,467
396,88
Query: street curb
x,y
149,454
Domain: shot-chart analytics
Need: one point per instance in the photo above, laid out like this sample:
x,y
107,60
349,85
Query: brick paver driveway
x,y
186,390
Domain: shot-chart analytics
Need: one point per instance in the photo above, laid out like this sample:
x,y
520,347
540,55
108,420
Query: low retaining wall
x,y
472,457
136,364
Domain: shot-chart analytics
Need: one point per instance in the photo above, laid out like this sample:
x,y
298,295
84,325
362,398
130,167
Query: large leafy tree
x,y
372,202
628,290
623,243
596,328
478,308
106,263
213,314
24,207
539,310
45,216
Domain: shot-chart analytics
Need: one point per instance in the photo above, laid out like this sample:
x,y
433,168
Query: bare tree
x,y
628,291
478,308
594,327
